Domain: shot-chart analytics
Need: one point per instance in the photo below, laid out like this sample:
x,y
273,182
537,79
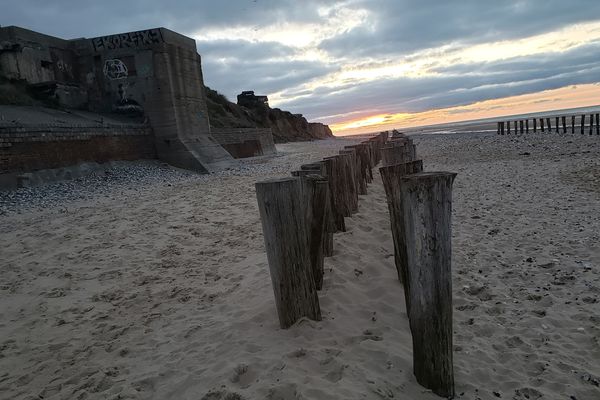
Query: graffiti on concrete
x,y
128,40
64,67
115,69
126,104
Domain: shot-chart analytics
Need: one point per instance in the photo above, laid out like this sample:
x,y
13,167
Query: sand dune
x,y
161,290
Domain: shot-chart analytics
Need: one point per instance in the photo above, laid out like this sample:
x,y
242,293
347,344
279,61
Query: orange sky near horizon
x,y
548,100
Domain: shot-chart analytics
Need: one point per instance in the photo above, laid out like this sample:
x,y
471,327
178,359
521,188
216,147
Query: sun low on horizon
x,y
364,91
367,65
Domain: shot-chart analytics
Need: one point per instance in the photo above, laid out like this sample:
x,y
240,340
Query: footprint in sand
x,y
243,376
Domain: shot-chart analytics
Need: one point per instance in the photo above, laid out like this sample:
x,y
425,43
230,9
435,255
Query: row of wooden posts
x,y
545,125
301,213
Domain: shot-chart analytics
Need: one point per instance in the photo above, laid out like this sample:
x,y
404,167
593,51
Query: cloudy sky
x,y
364,65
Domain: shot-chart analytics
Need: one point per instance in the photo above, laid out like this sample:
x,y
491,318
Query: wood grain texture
x,y
282,213
427,205
391,177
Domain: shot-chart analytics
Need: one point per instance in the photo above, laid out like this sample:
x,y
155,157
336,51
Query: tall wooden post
x,y
508,127
282,213
564,123
549,125
597,124
427,205
582,123
521,127
497,128
502,128
557,125
572,124
391,176
361,184
591,124
535,125
337,199
527,126
542,125
351,189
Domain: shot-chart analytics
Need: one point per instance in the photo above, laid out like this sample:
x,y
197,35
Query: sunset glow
x,y
569,97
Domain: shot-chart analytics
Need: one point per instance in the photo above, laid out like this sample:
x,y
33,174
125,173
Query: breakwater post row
x,y
300,215
577,124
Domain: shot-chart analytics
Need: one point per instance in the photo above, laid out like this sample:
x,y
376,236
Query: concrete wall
x,y
245,142
155,72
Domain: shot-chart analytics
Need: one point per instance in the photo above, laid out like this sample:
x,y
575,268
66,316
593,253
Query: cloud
x,y
332,60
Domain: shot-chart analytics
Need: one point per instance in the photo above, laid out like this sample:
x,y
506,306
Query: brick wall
x,y
44,147
245,142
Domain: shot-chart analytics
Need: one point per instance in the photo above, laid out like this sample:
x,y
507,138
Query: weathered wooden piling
x,y
591,124
549,125
336,193
521,129
282,213
557,125
526,126
391,155
427,205
342,194
597,124
350,169
391,176
572,124
542,125
582,123
360,173
508,127
535,125
564,123
315,195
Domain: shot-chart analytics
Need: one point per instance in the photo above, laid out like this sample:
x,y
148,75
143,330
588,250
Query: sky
x,y
367,65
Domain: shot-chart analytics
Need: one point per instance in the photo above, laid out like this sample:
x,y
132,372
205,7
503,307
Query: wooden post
x,y
542,125
535,125
502,128
497,128
282,213
527,126
597,124
427,205
521,127
572,124
335,193
361,178
394,155
320,219
564,124
391,177
582,123
351,178
508,127
591,124
549,125
315,195
557,124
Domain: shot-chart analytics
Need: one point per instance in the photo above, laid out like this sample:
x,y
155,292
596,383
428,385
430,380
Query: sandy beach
x,y
156,285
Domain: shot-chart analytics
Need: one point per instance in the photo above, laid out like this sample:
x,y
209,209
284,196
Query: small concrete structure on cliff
x,y
249,99
154,73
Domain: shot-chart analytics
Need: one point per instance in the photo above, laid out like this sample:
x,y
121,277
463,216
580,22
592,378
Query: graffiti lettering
x,y
115,69
127,40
